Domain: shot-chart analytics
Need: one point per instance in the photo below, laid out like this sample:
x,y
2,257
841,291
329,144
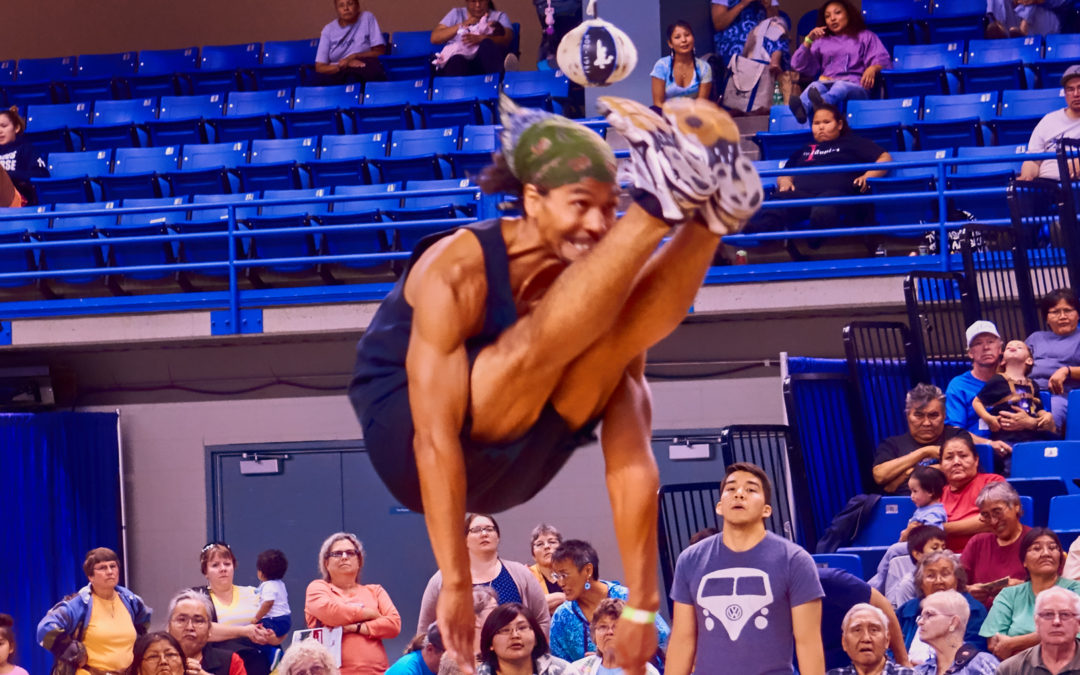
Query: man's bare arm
x,y
806,624
682,645
444,310
886,472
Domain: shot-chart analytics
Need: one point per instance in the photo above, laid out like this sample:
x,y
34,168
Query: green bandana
x,y
549,150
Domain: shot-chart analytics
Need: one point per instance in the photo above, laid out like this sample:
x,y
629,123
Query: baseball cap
x,y
979,327
1070,73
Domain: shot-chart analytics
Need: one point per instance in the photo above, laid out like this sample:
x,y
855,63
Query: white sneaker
x,y
510,62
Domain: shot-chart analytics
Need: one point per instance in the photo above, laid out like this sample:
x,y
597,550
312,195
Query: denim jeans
x,y
835,92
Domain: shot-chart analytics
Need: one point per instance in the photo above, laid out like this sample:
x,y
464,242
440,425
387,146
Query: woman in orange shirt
x,y
365,612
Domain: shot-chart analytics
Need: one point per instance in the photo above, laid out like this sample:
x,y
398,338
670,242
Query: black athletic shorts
x,y
499,475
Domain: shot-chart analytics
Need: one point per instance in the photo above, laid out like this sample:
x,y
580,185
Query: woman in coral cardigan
x,y
365,612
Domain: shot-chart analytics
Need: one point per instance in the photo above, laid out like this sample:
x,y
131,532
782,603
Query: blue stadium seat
x,y
547,89
252,114
285,245
214,220
154,217
769,182
25,94
892,20
416,154
1049,458
53,123
386,105
993,65
844,561
319,111
407,236
137,172
181,119
366,241
883,121
19,231
456,101
221,67
1021,111
69,176
343,159
74,257
284,63
991,175
956,21
410,55
1062,51
274,163
955,121
46,70
7,71
142,253
911,179
118,123
478,142
160,72
881,530
247,208
96,76
1040,491
919,70
785,134
205,169
1065,518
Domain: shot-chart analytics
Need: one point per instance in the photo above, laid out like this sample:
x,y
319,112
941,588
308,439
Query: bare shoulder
x,y
450,278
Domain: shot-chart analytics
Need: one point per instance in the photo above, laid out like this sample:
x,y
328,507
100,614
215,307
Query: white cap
x,y
978,328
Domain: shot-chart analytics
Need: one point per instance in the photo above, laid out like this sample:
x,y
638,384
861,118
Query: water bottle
x,y
777,96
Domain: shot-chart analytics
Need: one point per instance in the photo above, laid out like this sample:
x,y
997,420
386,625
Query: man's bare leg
x,y
661,297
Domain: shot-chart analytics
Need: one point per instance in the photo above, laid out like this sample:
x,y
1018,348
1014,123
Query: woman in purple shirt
x,y
842,53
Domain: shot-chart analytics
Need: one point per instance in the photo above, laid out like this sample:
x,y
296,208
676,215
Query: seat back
x,y
269,151
212,155
465,199
168,61
46,69
71,164
371,204
948,55
960,106
395,93
903,111
77,222
243,213
1031,102
480,138
1065,513
191,107
1010,159
230,57
988,52
782,119
320,98
848,562
411,43
301,209
289,52
136,110
417,142
354,146
483,87
57,116
1062,46
247,103
917,155
153,217
95,66
1048,458
889,518
146,160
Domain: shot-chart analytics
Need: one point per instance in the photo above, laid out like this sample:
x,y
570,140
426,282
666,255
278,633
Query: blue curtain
x,y
60,497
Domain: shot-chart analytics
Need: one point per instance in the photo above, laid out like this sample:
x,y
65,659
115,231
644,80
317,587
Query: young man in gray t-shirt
x,y
745,598
1054,126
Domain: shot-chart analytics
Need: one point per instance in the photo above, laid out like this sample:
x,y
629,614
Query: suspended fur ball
x,y
596,54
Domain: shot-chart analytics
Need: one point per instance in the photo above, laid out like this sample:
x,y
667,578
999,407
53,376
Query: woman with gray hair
x,y
942,624
543,541
897,456
939,571
992,559
189,623
307,657
365,612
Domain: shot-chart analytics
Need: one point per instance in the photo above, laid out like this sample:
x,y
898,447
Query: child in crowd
x,y
7,647
900,577
1013,391
927,484
274,612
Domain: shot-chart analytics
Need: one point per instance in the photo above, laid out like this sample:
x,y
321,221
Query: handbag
x,y
749,85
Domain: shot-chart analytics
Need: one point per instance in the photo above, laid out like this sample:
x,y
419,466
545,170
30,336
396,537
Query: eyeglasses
x,y
482,529
1064,311
519,628
1050,615
343,555
182,619
928,614
313,669
992,515
605,627
559,576
162,657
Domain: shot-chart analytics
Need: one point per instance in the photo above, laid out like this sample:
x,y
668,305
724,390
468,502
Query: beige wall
x,y
64,27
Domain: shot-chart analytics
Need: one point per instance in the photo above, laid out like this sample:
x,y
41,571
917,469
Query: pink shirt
x,y
985,560
328,605
961,505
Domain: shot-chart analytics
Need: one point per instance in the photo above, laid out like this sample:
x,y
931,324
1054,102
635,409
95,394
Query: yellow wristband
x,y
807,42
641,616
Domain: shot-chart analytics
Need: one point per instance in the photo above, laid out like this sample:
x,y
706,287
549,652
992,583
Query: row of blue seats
x,y
323,224
303,111
924,123
899,22
983,65
266,164
213,69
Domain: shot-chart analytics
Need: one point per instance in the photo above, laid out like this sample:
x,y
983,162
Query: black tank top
x,y
380,354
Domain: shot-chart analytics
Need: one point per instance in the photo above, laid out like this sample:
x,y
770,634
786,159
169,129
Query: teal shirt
x,y
1013,611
